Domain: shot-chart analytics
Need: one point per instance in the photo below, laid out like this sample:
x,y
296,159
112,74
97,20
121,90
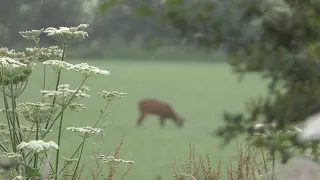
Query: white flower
x,y
38,146
43,54
68,34
311,129
68,160
77,107
88,70
31,35
59,65
111,159
37,112
11,155
11,67
31,129
258,126
86,131
111,95
63,94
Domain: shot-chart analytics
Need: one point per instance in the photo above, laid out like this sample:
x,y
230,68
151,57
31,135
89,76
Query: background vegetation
x,y
273,43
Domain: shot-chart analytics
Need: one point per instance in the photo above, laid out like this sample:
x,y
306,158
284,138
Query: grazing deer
x,y
161,109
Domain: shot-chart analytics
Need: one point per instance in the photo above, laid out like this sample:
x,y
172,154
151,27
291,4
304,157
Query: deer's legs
x,y
162,122
141,118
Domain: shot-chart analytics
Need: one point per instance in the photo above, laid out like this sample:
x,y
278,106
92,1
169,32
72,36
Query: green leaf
x,y
144,11
174,2
107,4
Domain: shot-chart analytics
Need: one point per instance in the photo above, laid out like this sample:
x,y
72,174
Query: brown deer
x,y
161,109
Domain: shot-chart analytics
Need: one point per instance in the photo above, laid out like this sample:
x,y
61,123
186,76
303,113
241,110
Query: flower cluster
x,y
110,96
14,65
67,34
87,70
77,107
58,65
30,129
44,54
261,130
19,56
38,146
13,156
4,132
83,68
68,160
31,35
37,112
258,127
64,95
110,159
11,67
86,132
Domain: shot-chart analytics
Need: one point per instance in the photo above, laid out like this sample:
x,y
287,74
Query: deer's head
x,y
179,121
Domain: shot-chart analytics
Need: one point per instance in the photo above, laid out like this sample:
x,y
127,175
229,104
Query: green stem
x,y
101,114
78,162
81,144
18,122
264,161
64,107
14,143
6,105
58,79
35,160
44,80
51,168
58,150
273,156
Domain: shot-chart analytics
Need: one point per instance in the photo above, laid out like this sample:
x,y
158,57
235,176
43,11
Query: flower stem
x,y
101,114
14,143
78,162
6,105
58,79
72,156
64,107
44,77
58,150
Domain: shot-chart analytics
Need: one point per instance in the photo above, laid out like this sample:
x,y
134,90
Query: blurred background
x,y
179,52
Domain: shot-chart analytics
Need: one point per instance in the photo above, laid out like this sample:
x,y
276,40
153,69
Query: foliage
x,y
25,147
249,166
282,47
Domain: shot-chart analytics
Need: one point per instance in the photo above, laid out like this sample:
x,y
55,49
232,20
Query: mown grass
x,y
198,91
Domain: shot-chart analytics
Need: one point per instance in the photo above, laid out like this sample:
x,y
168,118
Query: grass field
x,y
199,92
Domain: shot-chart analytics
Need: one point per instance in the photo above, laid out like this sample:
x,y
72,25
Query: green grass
x,y
199,92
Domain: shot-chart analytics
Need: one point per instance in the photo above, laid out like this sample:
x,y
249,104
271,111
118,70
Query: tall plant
x,y
24,143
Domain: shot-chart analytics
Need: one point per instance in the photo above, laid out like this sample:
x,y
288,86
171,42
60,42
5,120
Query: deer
x,y
159,108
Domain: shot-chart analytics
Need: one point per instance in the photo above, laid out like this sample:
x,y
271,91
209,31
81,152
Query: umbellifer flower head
x,y
37,112
68,34
11,67
38,146
86,131
11,155
87,70
43,54
110,96
58,65
31,35
63,94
